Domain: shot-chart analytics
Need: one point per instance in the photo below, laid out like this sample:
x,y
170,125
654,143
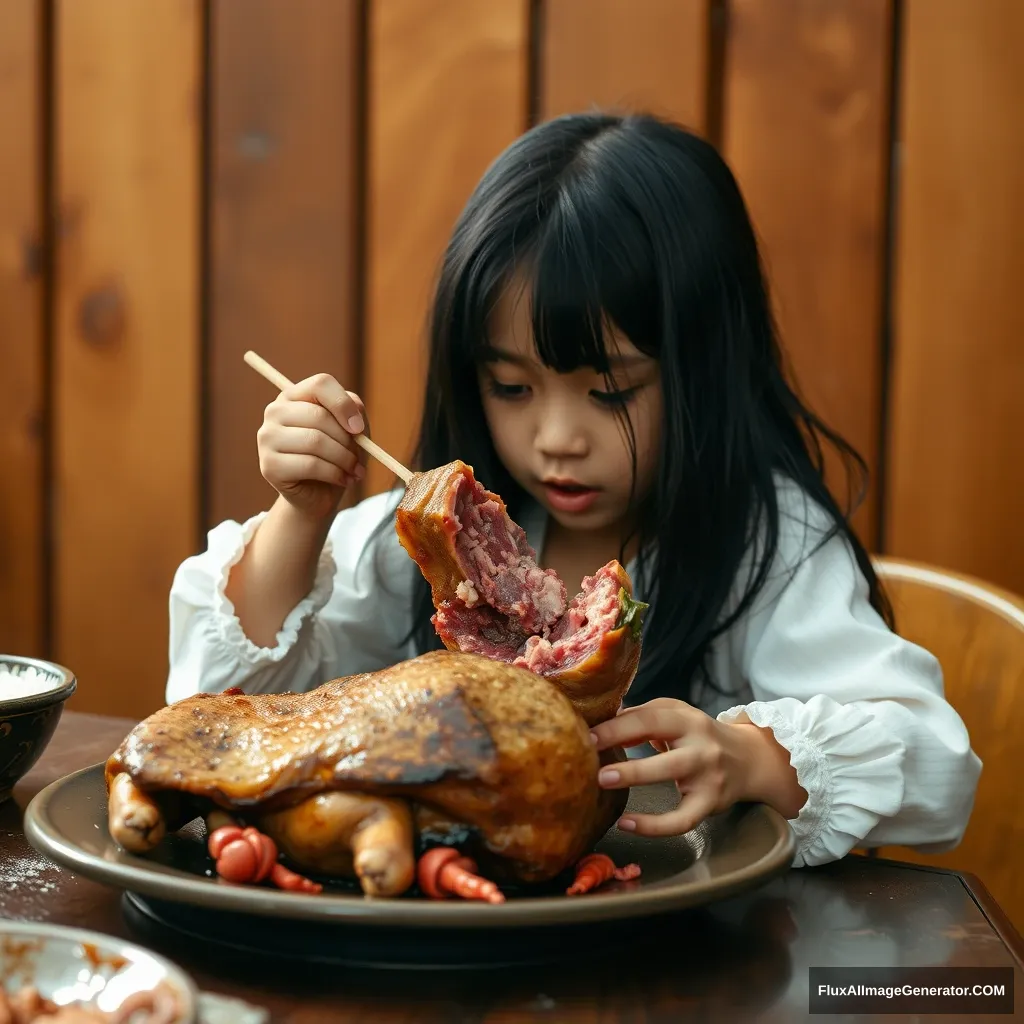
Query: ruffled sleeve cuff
x,y
227,544
848,763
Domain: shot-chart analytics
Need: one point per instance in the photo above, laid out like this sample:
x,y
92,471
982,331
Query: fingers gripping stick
x,y
279,380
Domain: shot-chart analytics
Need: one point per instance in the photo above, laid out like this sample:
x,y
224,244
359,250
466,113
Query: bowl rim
x,y
37,701
120,947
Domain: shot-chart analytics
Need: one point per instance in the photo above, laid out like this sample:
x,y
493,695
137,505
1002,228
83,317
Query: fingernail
x,y
355,424
593,737
359,472
608,776
626,825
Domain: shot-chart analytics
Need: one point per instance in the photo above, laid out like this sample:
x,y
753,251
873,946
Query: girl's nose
x,y
560,434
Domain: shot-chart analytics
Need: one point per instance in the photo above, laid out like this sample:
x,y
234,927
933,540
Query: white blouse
x,y
883,757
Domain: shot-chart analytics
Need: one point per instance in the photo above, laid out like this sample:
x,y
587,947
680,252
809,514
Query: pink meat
x,y
593,613
569,641
500,566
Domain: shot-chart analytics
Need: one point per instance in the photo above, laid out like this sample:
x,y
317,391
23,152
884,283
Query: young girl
x,y
602,353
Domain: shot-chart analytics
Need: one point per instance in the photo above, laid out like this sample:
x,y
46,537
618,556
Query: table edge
x,y
1001,924
978,891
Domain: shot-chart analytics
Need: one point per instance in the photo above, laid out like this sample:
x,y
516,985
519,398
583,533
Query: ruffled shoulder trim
x,y
226,546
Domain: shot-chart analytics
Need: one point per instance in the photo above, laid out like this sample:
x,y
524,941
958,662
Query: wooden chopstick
x,y
279,380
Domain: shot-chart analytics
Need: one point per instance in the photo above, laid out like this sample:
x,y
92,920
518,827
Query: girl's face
x,y
561,436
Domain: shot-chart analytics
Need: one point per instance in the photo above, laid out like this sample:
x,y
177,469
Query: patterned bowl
x,y
72,966
27,723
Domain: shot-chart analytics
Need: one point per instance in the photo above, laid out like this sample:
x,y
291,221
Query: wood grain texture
x,y
957,424
650,55
21,330
977,633
447,93
805,113
126,348
283,178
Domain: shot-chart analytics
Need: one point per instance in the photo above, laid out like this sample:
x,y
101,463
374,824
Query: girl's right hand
x,y
307,450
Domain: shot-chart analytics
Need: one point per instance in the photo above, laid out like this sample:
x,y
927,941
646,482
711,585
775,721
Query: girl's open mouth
x,y
567,497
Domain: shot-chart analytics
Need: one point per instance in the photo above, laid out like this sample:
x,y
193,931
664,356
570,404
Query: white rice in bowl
x,y
18,681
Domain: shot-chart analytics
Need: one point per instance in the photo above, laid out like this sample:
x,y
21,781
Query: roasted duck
x,y
360,775
473,759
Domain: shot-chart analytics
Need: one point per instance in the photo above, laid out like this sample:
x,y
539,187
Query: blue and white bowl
x,y
32,696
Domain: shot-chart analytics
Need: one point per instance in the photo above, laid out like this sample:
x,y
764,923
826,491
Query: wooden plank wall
x,y
126,337
805,126
284,167
22,511
434,124
287,183
955,490
609,54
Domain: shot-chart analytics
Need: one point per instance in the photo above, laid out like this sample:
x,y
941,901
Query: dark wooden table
x,y
743,959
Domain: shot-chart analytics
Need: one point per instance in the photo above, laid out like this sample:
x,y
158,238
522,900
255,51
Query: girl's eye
x,y
614,399
499,390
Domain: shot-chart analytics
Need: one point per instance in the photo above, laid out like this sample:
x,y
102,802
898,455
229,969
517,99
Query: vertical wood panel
x,y
805,127
128,80
957,422
21,340
448,91
646,54
283,219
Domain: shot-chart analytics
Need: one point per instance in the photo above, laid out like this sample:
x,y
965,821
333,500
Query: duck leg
x,y
345,833
135,819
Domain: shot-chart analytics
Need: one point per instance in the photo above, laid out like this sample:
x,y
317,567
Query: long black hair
x,y
637,221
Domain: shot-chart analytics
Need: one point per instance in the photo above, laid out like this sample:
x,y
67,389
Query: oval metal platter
x,y
726,855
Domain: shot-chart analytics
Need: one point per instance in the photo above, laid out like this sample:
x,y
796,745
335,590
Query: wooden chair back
x,y
976,630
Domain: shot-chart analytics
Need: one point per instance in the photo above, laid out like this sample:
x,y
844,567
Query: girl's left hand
x,y
713,764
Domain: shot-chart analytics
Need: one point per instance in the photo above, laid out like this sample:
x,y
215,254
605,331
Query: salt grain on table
x,y
34,874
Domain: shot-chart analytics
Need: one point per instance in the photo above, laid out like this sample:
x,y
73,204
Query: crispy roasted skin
x,y
474,741
426,525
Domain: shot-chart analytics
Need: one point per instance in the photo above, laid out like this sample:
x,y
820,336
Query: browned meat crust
x,y
494,747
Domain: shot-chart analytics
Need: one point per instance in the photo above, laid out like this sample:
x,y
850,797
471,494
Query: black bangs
x,y
582,249
593,268
569,305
